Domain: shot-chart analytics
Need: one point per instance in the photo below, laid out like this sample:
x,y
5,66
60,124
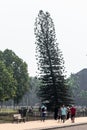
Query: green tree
x,y
50,62
7,84
33,90
73,83
31,98
18,69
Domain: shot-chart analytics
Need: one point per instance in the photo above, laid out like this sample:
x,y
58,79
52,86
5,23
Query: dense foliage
x,y
53,89
78,88
14,80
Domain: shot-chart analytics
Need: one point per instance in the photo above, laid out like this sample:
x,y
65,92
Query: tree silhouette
x,y
50,63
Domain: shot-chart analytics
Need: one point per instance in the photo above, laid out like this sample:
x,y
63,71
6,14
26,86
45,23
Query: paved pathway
x,y
78,127
38,125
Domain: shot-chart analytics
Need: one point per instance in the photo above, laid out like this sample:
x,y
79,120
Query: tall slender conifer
x,y
50,63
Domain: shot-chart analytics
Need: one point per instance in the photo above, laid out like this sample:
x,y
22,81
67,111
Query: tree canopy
x,y
14,79
50,62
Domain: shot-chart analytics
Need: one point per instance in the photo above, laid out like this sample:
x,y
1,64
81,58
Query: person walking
x,y
68,112
43,112
59,114
55,113
73,113
63,113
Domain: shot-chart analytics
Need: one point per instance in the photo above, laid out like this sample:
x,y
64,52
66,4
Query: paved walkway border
x,y
63,126
81,121
40,125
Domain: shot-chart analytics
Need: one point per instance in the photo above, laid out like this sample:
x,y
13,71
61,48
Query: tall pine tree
x,y
50,63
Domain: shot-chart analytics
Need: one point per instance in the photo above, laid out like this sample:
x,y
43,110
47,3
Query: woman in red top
x,y
73,113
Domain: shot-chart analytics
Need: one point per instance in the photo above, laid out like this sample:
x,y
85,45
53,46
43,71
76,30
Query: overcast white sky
x,y
17,19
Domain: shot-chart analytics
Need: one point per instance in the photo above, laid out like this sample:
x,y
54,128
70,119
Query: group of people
x,y
64,113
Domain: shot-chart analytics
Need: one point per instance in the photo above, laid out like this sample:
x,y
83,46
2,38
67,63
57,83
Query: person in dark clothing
x,y
68,113
73,113
55,113
43,112
59,114
23,112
